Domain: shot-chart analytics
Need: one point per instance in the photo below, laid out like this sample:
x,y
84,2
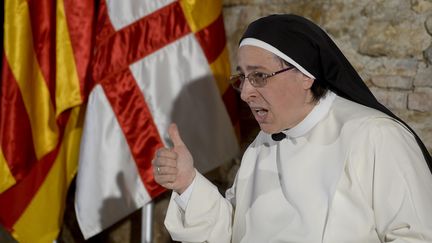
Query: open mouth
x,y
259,113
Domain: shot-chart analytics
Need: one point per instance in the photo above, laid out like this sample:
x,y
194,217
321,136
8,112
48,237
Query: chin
x,y
268,129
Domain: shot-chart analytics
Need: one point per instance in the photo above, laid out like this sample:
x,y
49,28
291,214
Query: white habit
x,y
345,174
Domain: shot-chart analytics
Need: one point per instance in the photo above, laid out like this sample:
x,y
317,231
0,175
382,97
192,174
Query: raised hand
x,y
173,167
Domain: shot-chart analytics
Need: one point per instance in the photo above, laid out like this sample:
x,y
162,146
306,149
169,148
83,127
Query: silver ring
x,y
158,170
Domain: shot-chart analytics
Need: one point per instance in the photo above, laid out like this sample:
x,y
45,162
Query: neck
x,y
303,112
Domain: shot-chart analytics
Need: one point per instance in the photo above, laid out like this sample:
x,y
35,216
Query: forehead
x,y
255,56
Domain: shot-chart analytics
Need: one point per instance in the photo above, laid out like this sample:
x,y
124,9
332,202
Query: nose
x,y
247,90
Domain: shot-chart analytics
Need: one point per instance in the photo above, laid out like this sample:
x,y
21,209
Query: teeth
x,y
260,111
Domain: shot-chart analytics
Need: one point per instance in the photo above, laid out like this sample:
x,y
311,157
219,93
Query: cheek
x,y
284,103
283,95
286,93
279,101
286,99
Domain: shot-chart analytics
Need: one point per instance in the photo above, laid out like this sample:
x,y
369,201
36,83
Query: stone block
x,y
406,67
387,9
387,38
421,99
421,6
392,81
423,76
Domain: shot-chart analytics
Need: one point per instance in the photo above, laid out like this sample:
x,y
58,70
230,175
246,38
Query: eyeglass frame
x,y
234,78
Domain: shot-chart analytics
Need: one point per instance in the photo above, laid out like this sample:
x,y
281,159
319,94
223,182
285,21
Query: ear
x,y
307,82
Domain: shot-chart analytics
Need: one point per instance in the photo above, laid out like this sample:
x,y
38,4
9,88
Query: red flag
x,y
46,55
156,62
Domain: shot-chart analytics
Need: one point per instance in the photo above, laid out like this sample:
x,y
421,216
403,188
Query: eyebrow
x,y
252,68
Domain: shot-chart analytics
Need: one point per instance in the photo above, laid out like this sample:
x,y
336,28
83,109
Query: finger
x,y
166,153
163,170
164,162
164,179
168,185
174,135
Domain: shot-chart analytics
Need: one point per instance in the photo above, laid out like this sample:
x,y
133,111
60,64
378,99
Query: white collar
x,y
317,114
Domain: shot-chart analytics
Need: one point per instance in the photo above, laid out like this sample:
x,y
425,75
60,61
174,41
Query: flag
x,y
155,62
45,55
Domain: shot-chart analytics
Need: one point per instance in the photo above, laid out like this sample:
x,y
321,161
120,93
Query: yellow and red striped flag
x,y
155,62
46,51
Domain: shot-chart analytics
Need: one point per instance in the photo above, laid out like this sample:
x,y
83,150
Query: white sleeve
x,y
207,216
402,186
183,199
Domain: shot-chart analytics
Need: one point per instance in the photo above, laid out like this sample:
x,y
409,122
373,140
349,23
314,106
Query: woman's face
x,y
284,101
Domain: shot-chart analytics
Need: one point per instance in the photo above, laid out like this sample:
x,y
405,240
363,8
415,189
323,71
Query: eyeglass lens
x,y
256,79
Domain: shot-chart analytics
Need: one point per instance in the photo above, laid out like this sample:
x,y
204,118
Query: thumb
x,y
174,135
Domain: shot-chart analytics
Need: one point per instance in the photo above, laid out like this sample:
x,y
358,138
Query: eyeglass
x,y
256,79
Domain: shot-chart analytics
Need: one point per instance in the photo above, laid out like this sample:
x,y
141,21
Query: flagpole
x,y
147,223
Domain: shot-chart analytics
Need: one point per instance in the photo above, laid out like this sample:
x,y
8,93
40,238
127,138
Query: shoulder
x,y
353,118
349,110
363,128
387,146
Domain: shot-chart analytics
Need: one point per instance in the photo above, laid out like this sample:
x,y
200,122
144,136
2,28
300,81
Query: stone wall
x,y
389,42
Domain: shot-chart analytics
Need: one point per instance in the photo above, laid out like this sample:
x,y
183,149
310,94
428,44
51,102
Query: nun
x,y
330,164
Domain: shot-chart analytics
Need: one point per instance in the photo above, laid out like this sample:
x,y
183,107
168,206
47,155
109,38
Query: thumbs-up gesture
x,y
173,167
